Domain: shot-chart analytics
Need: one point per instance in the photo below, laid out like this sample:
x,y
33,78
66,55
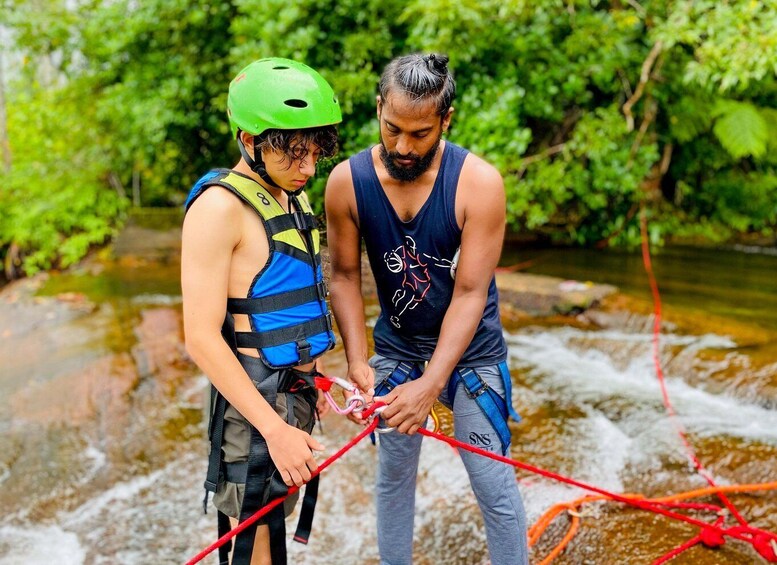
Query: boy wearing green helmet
x,y
255,314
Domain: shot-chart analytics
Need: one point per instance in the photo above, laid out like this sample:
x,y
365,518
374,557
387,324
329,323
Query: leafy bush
x,y
591,110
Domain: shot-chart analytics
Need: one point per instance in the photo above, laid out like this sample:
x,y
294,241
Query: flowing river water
x,y
102,451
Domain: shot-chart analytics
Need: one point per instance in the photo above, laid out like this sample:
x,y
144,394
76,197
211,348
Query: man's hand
x,y
363,376
409,405
291,451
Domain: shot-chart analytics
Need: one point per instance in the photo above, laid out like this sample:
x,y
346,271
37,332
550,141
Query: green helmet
x,y
278,93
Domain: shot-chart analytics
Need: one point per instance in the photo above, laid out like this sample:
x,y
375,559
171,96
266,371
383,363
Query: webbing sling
x,y
259,487
262,488
260,484
404,372
215,473
237,472
494,407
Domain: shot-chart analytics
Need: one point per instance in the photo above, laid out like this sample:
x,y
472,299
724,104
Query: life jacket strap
x,y
301,221
289,334
280,301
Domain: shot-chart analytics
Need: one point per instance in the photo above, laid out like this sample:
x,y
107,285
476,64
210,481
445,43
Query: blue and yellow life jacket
x,y
286,303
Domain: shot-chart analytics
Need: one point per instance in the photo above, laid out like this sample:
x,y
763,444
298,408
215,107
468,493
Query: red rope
x,y
264,510
660,373
708,537
743,533
678,550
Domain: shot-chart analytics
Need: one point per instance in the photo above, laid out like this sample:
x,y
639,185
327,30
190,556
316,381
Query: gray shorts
x,y
237,442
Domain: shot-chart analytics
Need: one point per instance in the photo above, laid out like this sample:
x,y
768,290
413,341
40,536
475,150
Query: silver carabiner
x,y
385,429
359,402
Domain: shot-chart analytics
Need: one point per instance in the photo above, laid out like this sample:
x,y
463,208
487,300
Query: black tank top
x,y
411,262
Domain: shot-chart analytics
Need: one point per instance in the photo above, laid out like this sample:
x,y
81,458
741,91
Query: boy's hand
x,y
291,451
322,406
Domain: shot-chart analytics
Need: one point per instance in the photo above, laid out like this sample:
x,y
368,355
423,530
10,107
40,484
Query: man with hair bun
x,y
432,217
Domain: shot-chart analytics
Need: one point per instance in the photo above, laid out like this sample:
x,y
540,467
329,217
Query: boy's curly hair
x,y
294,143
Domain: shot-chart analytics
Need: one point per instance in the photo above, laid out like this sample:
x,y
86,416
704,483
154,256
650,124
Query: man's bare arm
x,y
345,252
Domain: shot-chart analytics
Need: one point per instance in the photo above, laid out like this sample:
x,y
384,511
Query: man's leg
x,y
395,485
493,483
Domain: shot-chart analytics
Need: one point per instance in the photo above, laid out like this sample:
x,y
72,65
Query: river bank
x,y
102,452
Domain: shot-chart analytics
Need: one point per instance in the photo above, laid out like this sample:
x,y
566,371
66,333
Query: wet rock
x,y
520,294
77,397
539,295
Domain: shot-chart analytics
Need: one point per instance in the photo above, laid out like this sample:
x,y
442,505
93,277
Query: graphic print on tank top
x,y
416,280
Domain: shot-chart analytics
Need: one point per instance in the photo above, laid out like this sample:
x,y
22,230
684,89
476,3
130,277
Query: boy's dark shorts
x,y
237,440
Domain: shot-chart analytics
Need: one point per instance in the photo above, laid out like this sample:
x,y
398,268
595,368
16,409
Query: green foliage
x,y
55,208
591,110
740,128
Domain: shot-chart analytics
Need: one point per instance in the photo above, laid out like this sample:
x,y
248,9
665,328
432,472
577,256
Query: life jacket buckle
x,y
301,221
329,321
321,290
303,348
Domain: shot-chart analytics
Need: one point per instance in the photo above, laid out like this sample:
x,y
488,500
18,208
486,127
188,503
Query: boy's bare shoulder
x,y
216,201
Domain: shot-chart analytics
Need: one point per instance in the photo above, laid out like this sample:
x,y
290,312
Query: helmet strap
x,y
257,164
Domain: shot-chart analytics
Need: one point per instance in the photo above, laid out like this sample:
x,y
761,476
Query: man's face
x,y
410,134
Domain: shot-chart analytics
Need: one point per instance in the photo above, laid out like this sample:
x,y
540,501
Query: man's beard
x,y
410,172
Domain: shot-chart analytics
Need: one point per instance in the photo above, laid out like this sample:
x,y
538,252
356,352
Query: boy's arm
x,y
483,212
211,232
344,243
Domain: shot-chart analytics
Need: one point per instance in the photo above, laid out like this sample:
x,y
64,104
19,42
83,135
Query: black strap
x,y
216,438
223,527
216,424
279,301
258,473
305,523
297,220
236,472
289,334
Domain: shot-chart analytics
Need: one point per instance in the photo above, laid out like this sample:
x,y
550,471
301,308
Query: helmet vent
x,y
296,103
279,68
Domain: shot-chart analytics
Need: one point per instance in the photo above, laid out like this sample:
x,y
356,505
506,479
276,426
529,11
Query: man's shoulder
x,y
476,167
342,173
340,177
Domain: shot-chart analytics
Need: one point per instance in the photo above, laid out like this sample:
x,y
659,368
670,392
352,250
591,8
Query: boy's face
x,y
292,172
410,134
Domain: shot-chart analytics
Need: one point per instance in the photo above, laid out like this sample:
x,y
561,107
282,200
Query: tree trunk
x,y
5,144
136,188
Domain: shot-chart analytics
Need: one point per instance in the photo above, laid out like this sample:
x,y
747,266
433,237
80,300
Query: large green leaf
x,y
741,130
